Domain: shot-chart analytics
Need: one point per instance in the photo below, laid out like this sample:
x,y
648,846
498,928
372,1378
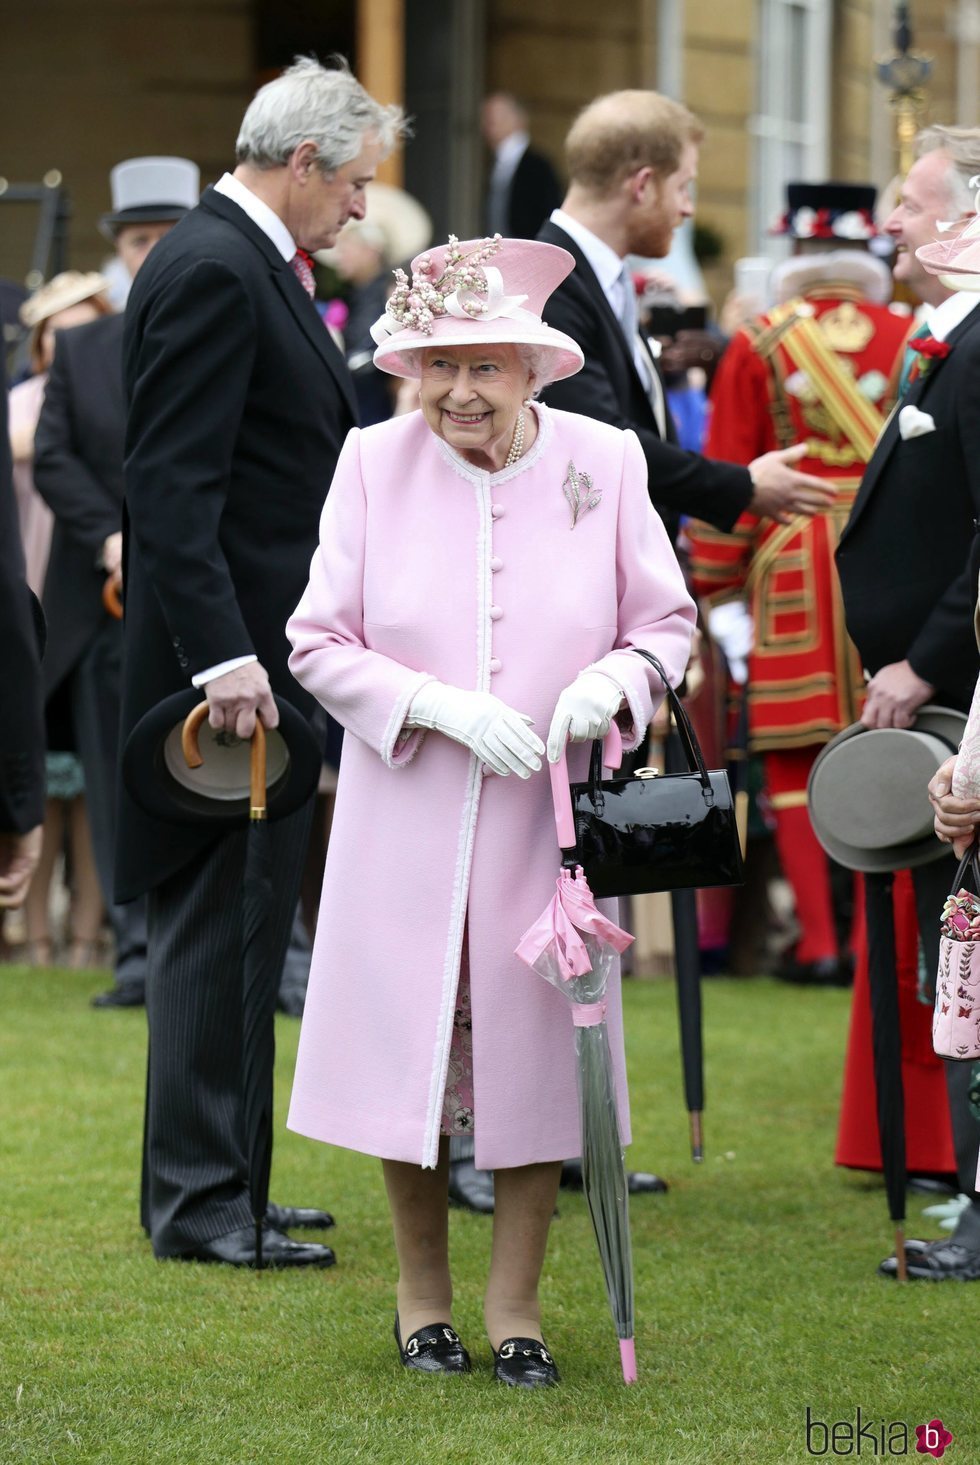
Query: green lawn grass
x,y
756,1293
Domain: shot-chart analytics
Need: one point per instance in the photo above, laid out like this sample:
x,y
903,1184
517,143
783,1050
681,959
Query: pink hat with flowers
x,y
456,297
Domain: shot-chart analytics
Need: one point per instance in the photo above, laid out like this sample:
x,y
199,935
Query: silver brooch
x,y
580,491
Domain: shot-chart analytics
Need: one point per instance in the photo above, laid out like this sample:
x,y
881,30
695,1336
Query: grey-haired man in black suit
x,y
908,586
239,402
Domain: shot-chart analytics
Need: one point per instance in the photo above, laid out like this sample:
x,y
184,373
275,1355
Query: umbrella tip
x,y
627,1354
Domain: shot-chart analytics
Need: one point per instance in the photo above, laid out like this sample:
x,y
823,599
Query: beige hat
x,y
69,288
867,792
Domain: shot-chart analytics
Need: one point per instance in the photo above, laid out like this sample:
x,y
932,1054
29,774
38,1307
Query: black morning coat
x,y
903,558
239,403
21,718
610,389
78,471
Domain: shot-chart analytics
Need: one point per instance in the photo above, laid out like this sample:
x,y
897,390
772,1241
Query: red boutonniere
x,y
928,350
930,347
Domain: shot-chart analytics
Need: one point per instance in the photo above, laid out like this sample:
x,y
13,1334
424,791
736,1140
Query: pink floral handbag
x,y
956,1019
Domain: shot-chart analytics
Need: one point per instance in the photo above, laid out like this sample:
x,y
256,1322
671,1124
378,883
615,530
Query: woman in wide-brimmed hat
x,y
69,299
485,566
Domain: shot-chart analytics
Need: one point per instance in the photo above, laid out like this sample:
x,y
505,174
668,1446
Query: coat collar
x,y
890,436
552,233
292,292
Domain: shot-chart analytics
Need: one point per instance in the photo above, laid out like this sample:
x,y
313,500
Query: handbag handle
x,y
686,733
971,861
561,796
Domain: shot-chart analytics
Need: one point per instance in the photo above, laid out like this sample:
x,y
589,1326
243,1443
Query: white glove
x,y
584,711
500,737
731,626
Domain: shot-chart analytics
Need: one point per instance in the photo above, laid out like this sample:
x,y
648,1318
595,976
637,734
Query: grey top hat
x,y
867,792
151,191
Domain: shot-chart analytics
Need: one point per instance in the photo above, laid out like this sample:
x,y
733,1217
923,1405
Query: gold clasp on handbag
x,y
648,773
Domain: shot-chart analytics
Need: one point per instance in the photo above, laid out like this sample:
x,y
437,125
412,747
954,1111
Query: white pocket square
x,y
913,423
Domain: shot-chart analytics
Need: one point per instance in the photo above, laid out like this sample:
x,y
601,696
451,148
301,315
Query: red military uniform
x,y
822,369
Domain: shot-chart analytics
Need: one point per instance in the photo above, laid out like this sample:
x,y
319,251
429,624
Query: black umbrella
x,y
259,981
887,1048
687,958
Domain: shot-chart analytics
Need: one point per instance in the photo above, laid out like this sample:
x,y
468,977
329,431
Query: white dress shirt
x,y
608,269
947,316
273,227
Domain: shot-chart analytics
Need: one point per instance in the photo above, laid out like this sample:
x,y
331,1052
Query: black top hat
x,y
156,774
843,211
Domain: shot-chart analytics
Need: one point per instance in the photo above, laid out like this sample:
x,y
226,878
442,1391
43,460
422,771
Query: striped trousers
x,y
195,1181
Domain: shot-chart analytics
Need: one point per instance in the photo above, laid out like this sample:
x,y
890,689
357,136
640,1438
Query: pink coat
x,y
431,568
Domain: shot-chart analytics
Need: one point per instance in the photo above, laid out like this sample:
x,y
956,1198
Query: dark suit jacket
x,y
78,471
533,192
239,403
22,723
609,388
904,555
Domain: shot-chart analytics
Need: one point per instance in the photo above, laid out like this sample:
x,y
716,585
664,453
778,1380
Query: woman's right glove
x,y
500,737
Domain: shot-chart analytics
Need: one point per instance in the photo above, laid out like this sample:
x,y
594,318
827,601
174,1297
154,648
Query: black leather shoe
x,y
935,1261
524,1363
931,1185
638,1182
127,994
470,1188
829,971
297,1218
237,1249
435,1349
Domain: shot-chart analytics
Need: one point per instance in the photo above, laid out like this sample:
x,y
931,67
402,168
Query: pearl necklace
x,y
517,442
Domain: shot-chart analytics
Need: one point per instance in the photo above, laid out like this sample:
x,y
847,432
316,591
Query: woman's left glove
x,y
584,711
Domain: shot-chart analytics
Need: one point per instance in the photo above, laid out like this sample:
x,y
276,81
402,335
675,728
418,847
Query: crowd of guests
x,y
176,460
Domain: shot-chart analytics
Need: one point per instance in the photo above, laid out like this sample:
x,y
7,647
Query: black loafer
x,y
469,1188
435,1349
935,1261
638,1182
524,1363
237,1249
297,1218
126,994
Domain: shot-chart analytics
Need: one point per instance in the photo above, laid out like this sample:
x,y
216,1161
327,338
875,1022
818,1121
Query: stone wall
x,y
87,84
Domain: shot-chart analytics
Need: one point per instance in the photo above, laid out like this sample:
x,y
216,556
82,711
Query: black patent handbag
x,y
654,831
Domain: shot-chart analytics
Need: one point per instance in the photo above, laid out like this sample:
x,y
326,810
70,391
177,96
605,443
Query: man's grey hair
x,y
962,144
310,102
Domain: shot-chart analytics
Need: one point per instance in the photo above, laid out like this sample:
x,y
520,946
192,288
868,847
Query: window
x,y
791,125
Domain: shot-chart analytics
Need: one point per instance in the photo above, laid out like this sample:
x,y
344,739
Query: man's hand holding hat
x,y
895,694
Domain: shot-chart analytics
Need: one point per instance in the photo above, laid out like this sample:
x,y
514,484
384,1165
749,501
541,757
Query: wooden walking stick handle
x,y
258,795
190,735
191,747
111,599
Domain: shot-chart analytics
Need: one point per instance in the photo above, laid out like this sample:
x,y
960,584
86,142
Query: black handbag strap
x,y
686,733
971,862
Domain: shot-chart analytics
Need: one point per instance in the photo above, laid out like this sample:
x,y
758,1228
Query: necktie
x,y
628,317
301,265
910,358
630,323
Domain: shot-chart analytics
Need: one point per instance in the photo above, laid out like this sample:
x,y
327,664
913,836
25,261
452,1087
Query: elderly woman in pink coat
x,y
485,566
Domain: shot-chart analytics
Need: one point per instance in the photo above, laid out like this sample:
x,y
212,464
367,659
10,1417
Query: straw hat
x,y
456,297
158,779
867,791
151,191
61,292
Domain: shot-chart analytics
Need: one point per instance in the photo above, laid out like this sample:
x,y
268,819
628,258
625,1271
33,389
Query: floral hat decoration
x,y
456,297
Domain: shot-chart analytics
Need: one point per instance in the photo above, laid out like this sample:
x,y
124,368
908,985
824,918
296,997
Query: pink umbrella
x,y
573,946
